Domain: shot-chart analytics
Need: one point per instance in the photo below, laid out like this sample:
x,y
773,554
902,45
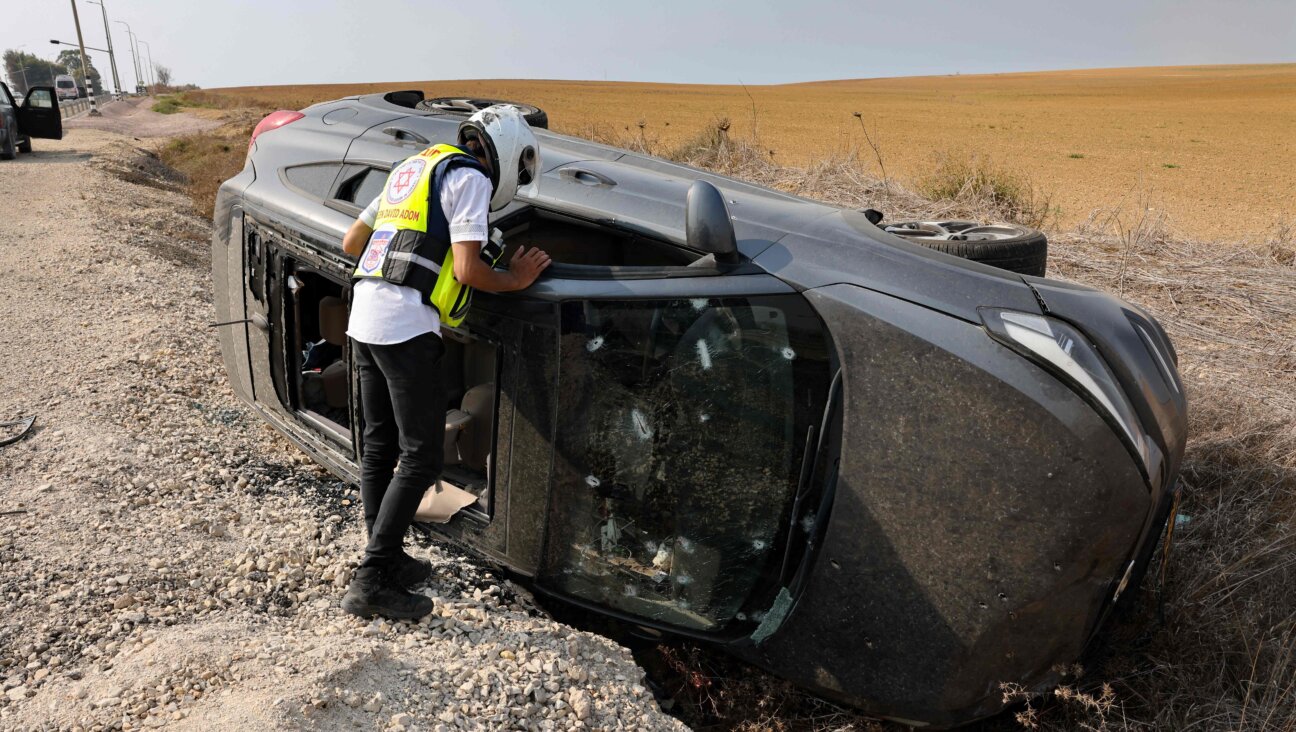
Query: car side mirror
x,y
707,226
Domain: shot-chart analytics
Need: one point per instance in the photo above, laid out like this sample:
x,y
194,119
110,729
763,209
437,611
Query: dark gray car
x,y
893,476
37,116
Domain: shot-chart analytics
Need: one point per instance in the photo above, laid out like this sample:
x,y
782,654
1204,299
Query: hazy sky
x,y
242,42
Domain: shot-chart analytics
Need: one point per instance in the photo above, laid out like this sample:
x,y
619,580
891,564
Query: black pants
x,y
402,397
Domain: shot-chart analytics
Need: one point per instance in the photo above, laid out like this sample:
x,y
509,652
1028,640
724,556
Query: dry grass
x,y
975,180
1224,656
208,159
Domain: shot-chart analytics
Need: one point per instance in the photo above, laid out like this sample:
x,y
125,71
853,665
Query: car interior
x,y
469,368
574,243
318,312
318,323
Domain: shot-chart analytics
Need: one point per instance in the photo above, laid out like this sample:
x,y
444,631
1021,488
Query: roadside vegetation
x,y
172,103
208,159
1211,642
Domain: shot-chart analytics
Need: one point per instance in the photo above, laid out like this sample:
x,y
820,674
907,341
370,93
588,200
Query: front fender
x,y
983,514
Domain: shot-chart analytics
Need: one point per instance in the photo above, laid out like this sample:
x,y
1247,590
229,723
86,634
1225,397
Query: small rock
x,y
402,719
580,703
374,704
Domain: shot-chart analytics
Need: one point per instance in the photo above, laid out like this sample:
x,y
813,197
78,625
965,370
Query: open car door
x,y
39,115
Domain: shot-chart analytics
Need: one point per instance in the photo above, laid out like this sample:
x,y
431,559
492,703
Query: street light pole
x,y
85,66
151,74
112,58
130,38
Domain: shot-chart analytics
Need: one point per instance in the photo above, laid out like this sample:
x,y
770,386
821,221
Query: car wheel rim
x,y
470,106
953,231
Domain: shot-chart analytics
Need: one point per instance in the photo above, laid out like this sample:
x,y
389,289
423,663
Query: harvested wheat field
x,y
1212,149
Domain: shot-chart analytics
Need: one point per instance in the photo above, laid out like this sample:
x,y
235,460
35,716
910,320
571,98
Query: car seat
x,y
332,327
468,434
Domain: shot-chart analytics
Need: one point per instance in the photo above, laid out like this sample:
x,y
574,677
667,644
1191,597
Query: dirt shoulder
x,y
167,560
136,118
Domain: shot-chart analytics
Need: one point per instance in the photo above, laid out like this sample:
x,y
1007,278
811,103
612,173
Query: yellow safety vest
x,y
410,244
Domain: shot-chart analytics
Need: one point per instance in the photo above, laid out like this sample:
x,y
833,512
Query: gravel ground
x,y
166,560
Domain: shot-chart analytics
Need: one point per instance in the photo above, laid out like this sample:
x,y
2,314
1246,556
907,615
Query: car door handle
x,y
587,177
403,135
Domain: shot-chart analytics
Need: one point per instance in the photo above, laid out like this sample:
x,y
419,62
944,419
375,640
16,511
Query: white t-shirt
x,y
383,313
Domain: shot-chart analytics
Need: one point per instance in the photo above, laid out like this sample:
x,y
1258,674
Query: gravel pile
x,y
166,560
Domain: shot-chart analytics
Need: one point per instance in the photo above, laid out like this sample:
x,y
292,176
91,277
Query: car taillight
x,y
274,121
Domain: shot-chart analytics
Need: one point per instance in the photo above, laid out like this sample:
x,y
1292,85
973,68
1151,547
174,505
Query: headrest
x,y
333,320
334,378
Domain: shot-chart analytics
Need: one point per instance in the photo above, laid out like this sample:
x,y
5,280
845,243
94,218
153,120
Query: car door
x,y
8,111
39,115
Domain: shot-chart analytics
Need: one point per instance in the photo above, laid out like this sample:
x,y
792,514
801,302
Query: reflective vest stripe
x,y
416,259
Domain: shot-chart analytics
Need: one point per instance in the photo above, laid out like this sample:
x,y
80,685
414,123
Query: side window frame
x,y
352,174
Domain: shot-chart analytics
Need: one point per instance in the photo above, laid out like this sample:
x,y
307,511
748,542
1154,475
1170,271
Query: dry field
x,y
1212,148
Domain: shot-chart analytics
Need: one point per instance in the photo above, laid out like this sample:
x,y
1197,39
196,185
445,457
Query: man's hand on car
x,y
527,264
470,270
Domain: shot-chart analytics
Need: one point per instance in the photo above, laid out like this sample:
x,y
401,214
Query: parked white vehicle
x,y
66,87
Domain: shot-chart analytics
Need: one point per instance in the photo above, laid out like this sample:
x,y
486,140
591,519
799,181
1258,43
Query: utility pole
x,y
130,38
85,66
151,75
22,68
112,58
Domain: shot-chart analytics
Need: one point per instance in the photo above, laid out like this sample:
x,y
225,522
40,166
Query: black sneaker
x,y
408,571
373,593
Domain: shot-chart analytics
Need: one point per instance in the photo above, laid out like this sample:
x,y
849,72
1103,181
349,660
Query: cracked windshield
x,y
681,439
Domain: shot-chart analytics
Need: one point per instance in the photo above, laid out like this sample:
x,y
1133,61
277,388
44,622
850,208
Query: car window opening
x,y
572,241
469,368
363,187
318,320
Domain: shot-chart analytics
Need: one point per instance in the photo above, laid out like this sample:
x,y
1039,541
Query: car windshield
x,y
66,83
681,435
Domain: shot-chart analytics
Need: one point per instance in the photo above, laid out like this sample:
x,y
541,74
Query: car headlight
x,y
1068,354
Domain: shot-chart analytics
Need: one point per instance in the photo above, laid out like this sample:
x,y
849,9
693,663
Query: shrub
x,y
981,187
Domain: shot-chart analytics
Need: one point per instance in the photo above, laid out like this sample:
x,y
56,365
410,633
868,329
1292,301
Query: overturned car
x,y
897,477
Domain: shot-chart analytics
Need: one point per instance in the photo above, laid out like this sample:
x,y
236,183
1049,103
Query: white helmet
x,y
501,135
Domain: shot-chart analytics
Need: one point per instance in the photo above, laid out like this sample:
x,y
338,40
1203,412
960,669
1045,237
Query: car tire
x,y
7,149
534,115
1013,247
25,146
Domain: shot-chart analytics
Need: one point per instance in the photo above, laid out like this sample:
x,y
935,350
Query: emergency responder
x,y
422,246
